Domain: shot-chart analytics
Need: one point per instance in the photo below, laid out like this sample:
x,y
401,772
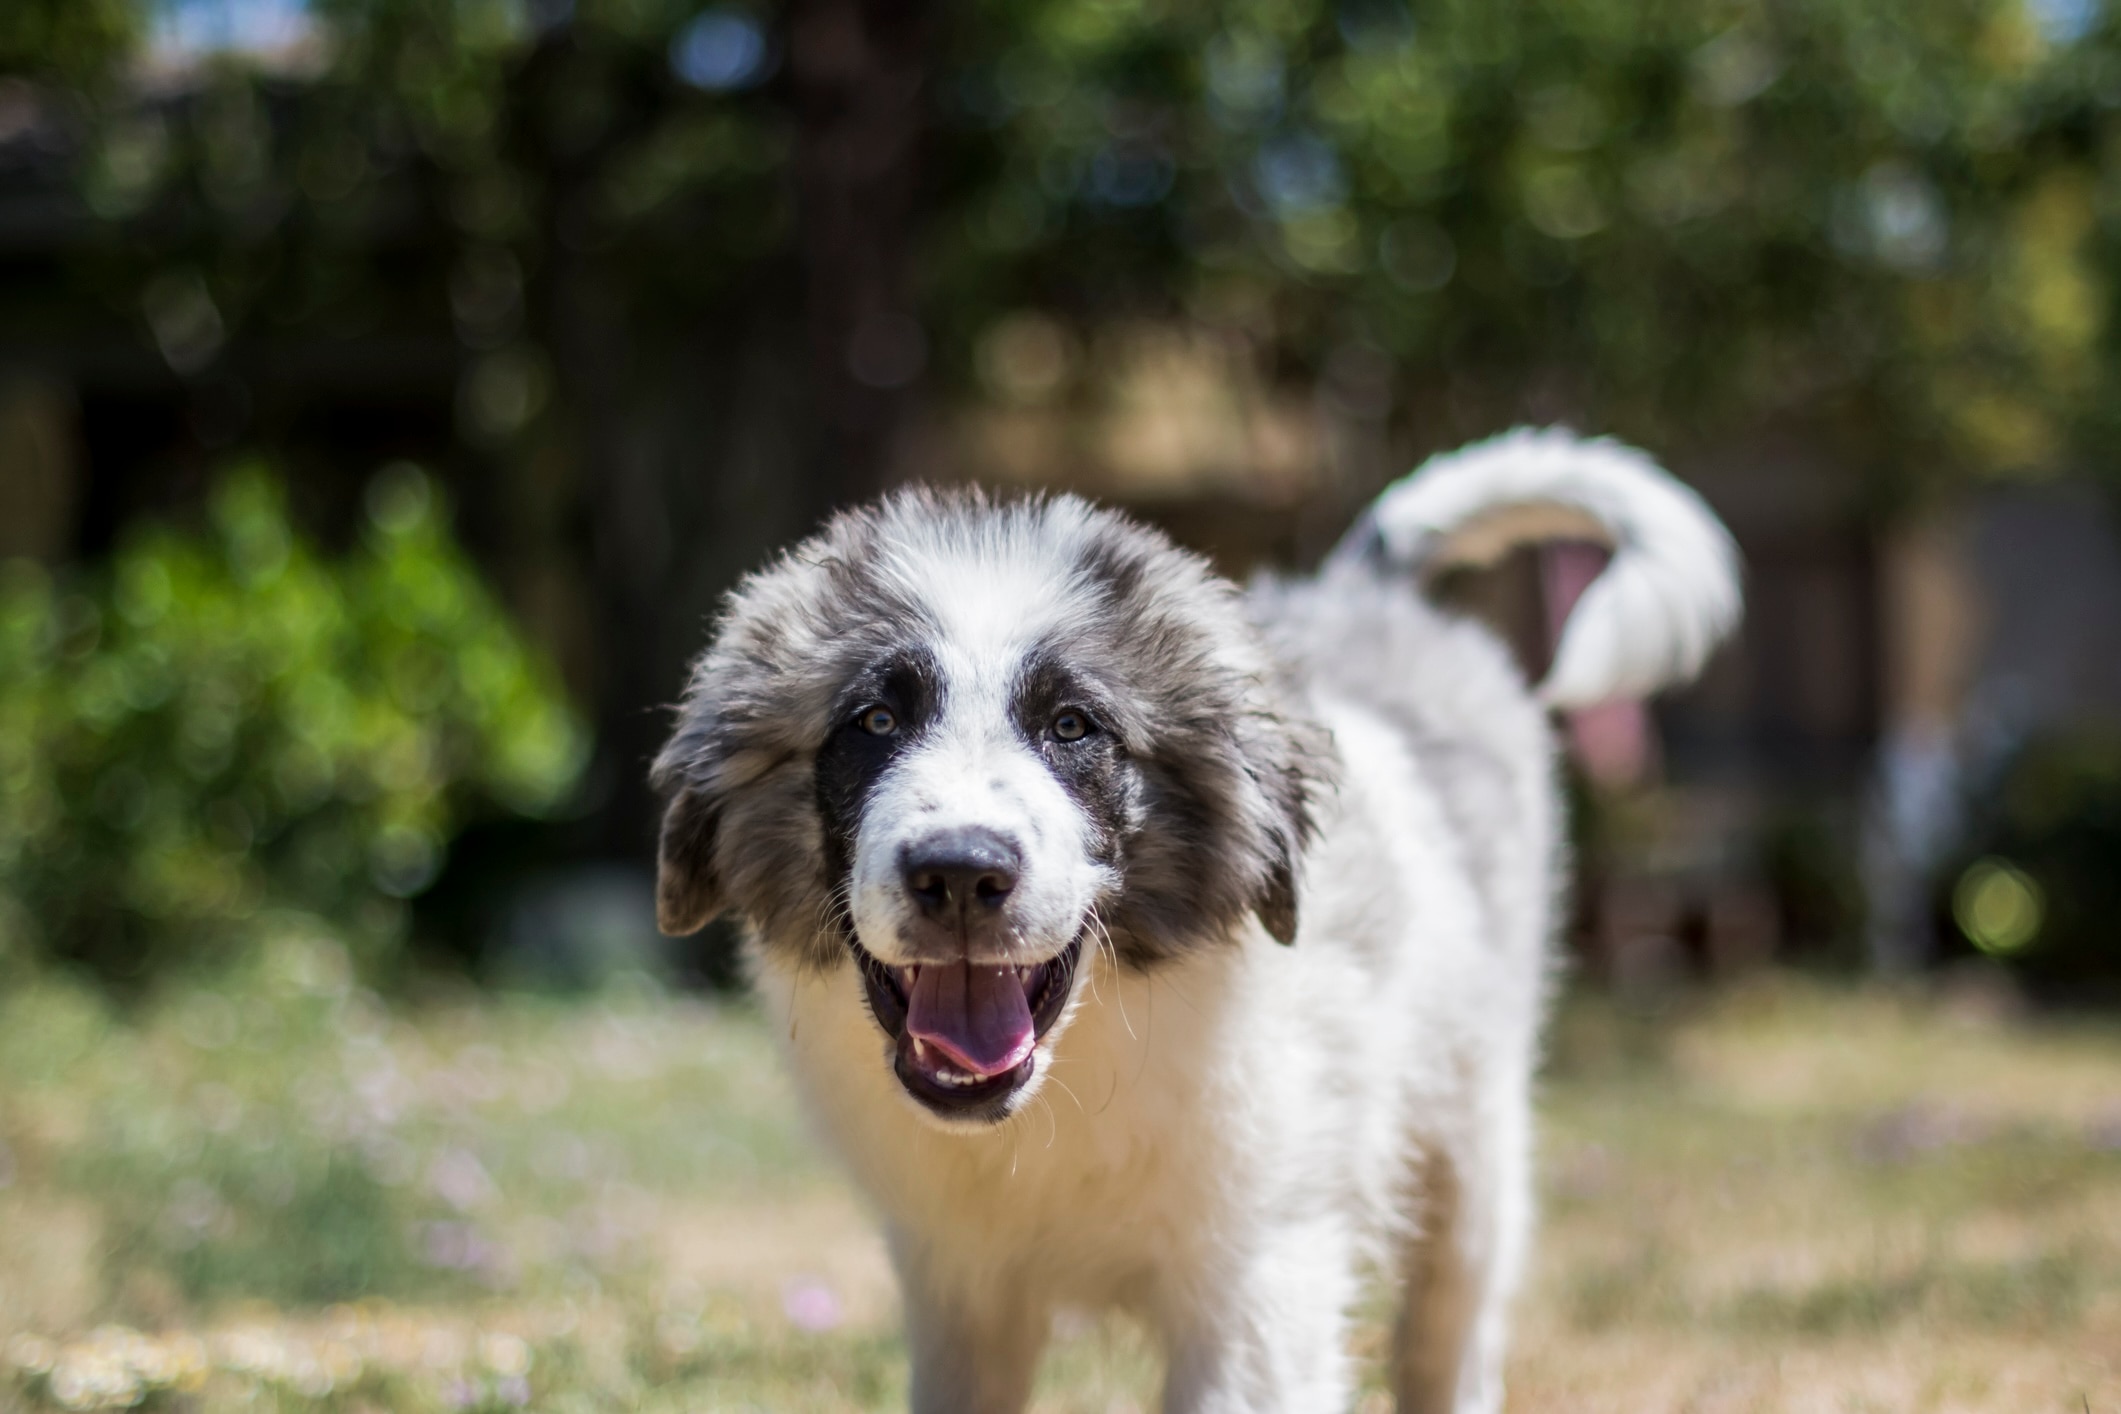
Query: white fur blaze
x,y
1650,619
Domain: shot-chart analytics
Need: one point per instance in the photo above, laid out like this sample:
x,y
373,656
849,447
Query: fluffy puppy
x,y
1142,942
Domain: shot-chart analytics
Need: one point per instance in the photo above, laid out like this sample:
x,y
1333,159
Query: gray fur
x,y
1366,776
1358,632
1224,765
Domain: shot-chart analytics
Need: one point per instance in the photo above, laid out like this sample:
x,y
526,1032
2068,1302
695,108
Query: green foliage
x,y
1895,221
444,173
1895,225
218,724
81,41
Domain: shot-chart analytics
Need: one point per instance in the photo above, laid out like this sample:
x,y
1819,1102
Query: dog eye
x,y
1071,725
877,721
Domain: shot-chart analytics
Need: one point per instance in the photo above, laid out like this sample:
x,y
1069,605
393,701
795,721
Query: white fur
x,y
1669,595
1230,1144
972,769
1220,1144
991,602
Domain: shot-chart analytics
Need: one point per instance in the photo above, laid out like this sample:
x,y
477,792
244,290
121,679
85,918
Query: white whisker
x,y
1052,1120
1111,950
1069,1088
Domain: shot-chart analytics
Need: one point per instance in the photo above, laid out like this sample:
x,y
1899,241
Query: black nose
x,y
961,873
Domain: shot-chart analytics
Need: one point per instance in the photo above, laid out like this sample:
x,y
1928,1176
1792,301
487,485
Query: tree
x,y
1673,221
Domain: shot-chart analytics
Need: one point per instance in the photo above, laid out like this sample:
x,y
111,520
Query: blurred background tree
x,y
1677,223
651,285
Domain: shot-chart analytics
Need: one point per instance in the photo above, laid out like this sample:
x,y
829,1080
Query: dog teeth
x,y
939,1070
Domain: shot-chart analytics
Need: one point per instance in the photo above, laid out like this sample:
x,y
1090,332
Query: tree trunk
x,y
859,72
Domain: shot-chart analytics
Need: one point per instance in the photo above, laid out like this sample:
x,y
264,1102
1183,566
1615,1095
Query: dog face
x,y
951,742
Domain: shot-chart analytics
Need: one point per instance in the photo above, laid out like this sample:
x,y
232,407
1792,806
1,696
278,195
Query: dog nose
x,y
961,873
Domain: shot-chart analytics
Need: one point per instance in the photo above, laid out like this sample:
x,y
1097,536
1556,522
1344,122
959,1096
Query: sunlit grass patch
x,y
283,1196
1788,1198
2035,1295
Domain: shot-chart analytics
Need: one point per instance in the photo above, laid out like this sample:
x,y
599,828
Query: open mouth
x,y
967,1032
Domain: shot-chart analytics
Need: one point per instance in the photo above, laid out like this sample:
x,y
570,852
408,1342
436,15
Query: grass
x,y
282,1197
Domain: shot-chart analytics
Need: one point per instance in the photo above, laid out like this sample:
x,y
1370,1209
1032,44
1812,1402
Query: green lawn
x,y
289,1198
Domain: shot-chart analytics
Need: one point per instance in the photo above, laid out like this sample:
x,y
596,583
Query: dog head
x,y
955,741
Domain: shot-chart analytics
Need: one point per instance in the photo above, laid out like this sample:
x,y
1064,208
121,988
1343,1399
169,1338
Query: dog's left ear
x,y
688,892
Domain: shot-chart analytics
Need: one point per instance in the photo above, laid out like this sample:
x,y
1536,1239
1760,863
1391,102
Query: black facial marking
x,y
1092,766
1194,775
908,687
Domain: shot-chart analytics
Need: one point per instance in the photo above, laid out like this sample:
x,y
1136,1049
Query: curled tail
x,y
1668,596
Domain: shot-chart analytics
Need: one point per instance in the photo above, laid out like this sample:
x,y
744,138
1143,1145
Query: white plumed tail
x,y
1668,596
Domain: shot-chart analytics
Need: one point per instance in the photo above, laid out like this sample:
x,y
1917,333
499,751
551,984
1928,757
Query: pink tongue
x,y
973,1013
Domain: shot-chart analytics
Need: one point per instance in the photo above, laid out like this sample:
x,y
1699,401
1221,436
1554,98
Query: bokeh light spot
x,y
1299,173
398,498
2064,21
1998,907
1025,357
721,50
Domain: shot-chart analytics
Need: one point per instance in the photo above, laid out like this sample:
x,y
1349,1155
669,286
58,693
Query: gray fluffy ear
x,y
1287,765
1277,905
688,894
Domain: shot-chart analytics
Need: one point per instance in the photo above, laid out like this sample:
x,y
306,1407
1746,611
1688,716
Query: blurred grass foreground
x,y
282,1195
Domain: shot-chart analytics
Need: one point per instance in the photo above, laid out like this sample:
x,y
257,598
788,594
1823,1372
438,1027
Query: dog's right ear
x,y
687,892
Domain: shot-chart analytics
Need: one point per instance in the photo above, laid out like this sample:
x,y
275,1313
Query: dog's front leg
x,y
975,1338
1269,1334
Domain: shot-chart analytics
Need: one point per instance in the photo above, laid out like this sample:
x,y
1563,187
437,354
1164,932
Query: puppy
x,y
1144,943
